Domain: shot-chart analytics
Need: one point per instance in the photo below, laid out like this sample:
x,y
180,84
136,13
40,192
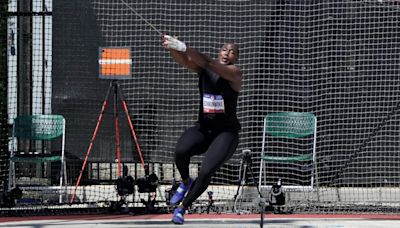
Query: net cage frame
x,y
336,59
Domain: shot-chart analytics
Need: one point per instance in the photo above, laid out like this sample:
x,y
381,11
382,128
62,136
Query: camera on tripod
x,y
8,198
125,183
277,196
148,183
246,156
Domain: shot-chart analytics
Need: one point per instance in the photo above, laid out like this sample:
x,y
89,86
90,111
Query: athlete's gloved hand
x,y
173,43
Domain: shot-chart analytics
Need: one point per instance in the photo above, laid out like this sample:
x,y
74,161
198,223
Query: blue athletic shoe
x,y
180,193
178,216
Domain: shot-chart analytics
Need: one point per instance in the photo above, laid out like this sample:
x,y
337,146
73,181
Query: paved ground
x,y
204,220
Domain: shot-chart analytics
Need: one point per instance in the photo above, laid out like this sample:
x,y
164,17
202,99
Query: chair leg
x,y
63,181
60,193
11,176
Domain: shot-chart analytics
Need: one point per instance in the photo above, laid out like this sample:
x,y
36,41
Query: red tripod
x,y
117,91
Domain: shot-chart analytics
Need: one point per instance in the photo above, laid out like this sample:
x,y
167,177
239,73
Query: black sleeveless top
x,y
218,102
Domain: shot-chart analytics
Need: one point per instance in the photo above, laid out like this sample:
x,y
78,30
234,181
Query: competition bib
x,y
213,103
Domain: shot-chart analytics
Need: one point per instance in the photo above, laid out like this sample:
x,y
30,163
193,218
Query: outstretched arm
x,y
183,59
196,61
180,55
231,73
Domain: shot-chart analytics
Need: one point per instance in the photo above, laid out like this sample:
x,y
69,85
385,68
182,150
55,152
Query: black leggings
x,y
217,146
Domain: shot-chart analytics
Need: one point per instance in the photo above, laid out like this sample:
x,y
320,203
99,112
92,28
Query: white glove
x,y
173,43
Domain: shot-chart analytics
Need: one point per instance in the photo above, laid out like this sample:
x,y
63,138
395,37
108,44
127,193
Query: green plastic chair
x,y
291,126
38,128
